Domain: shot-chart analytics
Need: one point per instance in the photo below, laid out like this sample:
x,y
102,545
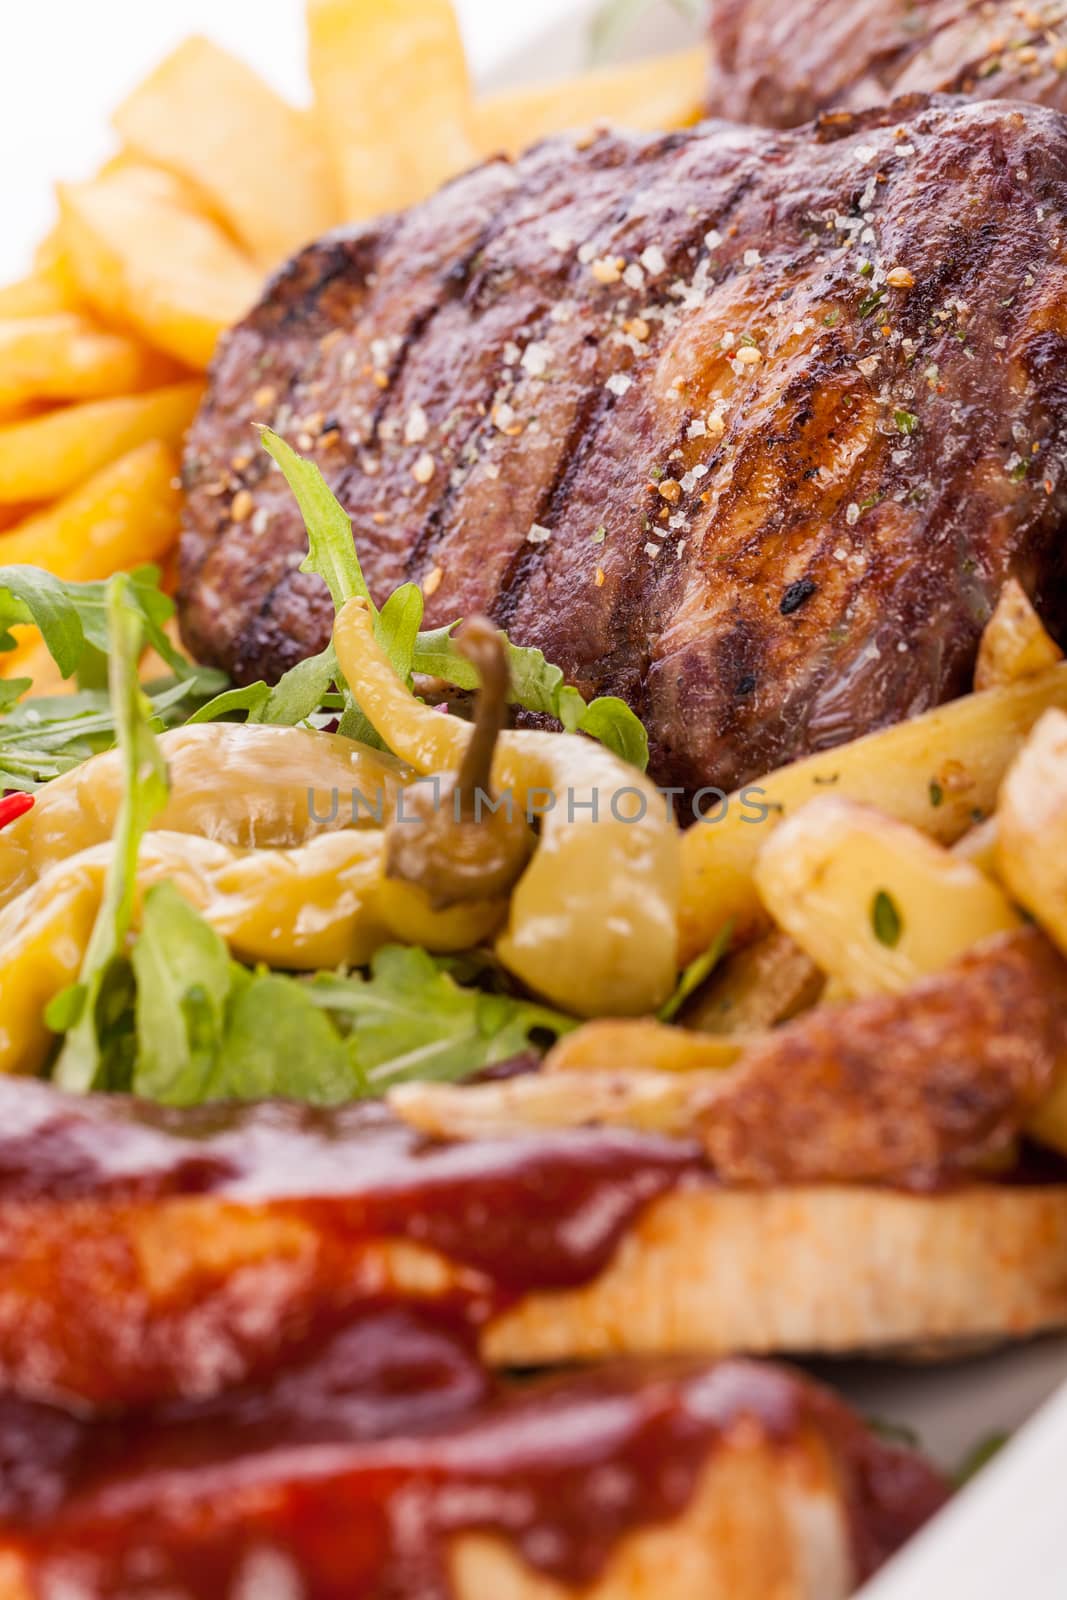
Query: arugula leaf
x,y
409,1019
331,546
184,975
205,1028
72,617
97,1009
538,686
42,737
697,972
980,1456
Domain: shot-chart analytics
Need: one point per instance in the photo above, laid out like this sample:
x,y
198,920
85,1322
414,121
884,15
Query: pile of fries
x,y
217,180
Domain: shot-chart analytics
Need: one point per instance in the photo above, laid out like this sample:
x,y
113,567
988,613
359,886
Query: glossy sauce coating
x,y
351,1501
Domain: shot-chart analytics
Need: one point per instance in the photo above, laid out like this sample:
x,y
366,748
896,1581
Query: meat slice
x,y
746,427
741,1481
781,64
149,1254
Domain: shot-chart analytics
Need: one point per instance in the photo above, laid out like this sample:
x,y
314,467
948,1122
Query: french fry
x,y
146,258
1016,643
758,987
1032,820
1032,860
875,903
663,93
393,97
257,161
939,772
641,1045
50,455
651,1102
126,514
65,357
34,296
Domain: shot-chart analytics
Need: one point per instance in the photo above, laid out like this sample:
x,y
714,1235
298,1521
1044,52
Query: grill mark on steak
x,y
803,470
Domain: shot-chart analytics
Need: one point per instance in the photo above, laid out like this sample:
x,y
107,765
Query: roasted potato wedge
x,y
370,57
1016,644
50,455
874,902
126,514
1032,826
65,357
146,257
939,772
257,161
662,93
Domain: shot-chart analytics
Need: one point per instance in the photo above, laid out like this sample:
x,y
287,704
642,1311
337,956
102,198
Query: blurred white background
x,y
66,63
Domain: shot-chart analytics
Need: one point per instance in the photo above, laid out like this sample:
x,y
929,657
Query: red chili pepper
x,y
13,807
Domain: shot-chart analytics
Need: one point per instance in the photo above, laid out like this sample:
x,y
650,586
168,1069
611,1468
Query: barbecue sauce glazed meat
x,y
349,1502
687,436
351,1450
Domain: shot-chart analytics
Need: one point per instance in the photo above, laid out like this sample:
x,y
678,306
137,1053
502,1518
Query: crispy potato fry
x,y
940,772
610,1045
128,513
1032,861
34,296
979,847
760,986
393,96
663,93
146,258
652,1102
874,902
12,515
257,161
1032,823
65,357
1016,643
47,457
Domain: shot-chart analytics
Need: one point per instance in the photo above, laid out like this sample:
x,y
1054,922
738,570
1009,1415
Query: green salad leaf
x,y
410,1018
697,972
536,685
97,1044
73,618
210,1029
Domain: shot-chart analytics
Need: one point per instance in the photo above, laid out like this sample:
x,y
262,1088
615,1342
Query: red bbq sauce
x,y
354,1500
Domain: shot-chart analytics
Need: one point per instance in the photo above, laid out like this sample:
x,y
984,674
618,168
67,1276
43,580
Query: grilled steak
x,y
781,64
746,427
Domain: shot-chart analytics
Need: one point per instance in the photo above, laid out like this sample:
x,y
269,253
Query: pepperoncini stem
x,y
483,647
454,844
592,921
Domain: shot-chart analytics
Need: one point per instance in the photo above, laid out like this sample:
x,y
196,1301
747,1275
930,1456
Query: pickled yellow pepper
x,y
592,923
309,908
238,784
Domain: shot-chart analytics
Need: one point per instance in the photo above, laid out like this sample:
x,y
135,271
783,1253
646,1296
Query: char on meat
x,y
748,427
781,64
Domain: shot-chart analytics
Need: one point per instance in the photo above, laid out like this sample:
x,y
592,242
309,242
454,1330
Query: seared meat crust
x,y
907,1088
780,65
771,495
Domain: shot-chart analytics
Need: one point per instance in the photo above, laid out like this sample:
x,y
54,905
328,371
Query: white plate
x,y
1005,1537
